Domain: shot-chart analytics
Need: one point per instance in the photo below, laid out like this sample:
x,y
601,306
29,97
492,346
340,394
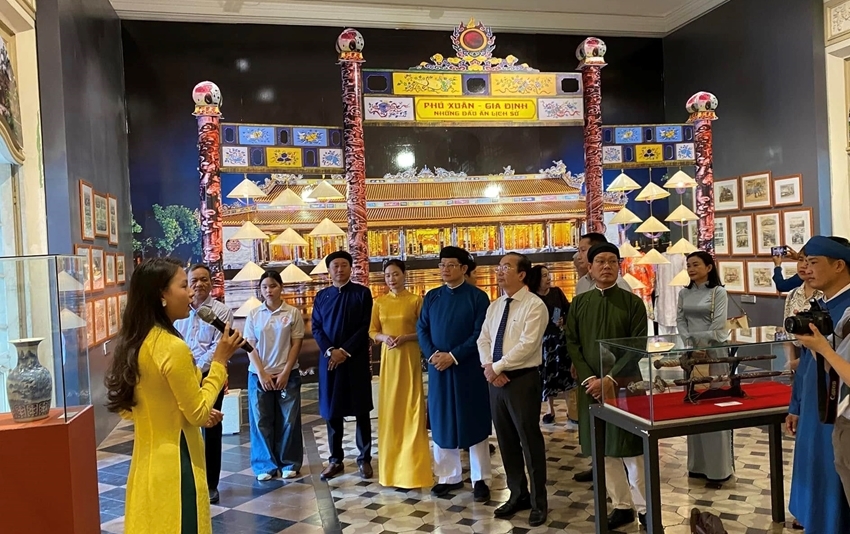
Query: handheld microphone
x,y
207,315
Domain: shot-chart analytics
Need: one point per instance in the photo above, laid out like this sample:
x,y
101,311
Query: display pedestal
x,y
48,470
772,418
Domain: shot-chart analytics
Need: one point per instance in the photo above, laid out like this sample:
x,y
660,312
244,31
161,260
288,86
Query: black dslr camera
x,y
799,323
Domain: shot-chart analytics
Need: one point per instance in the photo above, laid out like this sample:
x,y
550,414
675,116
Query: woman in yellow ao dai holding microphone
x,y
404,456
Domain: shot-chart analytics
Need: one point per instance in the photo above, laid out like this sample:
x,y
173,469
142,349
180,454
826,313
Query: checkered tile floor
x,y
350,505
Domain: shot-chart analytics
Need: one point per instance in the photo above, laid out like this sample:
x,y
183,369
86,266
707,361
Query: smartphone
x,y
556,315
779,251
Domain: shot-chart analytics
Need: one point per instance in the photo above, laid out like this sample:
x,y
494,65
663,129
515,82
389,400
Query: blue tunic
x,y
458,397
341,318
817,497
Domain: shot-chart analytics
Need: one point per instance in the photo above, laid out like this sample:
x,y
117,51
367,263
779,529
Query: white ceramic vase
x,y
29,386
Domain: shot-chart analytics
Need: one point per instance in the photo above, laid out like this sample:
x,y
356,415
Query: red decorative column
x,y
350,47
207,97
701,106
591,54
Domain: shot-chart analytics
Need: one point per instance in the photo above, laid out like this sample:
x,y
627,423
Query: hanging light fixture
x,y
680,280
622,184
682,215
250,272
653,257
628,251
287,198
680,180
293,275
249,232
682,246
325,191
624,216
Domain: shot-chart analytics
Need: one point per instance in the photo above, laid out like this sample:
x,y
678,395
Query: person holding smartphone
x,y
780,254
276,330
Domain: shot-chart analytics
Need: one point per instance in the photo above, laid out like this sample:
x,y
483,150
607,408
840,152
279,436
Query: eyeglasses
x,y
600,261
504,268
447,265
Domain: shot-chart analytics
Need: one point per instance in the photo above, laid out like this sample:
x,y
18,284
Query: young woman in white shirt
x,y
276,330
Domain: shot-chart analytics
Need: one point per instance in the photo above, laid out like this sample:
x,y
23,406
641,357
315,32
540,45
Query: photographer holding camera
x,y
817,499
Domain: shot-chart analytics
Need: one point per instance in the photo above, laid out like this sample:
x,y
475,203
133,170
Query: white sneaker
x,y
264,477
287,473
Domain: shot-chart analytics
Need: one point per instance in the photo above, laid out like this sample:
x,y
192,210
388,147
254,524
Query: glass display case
x,y
44,364
672,378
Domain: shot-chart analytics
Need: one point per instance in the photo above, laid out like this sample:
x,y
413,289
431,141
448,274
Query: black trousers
x,y
364,438
516,418
212,446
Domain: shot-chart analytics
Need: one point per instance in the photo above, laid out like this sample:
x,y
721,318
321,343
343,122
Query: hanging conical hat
x,y
652,226
291,238
251,271
249,232
287,198
652,192
326,228
246,189
625,216
653,257
293,274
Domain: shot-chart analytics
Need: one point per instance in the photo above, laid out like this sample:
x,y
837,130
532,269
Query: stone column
x,y
701,106
591,55
207,97
350,47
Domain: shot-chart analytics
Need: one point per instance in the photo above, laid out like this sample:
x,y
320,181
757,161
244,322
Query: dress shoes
x,y
214,497
620,517
536,518
441,490
333,469
584,476
366,470
511,508
480,492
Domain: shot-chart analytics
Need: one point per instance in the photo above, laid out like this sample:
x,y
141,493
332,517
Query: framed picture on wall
x,y
756,191
120,272
789,269
745,335
796,227
768,232
109,262
99,320
741,235
122,304
726,196
112,315
85,252
101,216
90,337
98,274
733,276
721,236
86,211
788,190
113,219
760,278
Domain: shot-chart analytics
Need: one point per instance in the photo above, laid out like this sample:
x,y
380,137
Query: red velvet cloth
x,y
669,406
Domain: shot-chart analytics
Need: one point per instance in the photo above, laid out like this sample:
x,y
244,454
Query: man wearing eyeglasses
x,y
458,397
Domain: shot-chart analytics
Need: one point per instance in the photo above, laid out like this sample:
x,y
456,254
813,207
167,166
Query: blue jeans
x,y
276,441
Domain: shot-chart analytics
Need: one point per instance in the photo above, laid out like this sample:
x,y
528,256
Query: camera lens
x,y
796,324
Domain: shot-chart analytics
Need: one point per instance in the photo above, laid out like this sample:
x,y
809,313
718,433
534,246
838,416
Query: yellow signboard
x,y
476,109
649,153
427,83
521,84
283,157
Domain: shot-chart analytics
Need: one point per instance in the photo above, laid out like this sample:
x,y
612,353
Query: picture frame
x,y
733,276
122,305
99,321
101,215
727,196
796,227
120,269
788,190
112,204
98,275
85,252
756,191
768,232
745,335
760,278
741,235
112,316
86,211
789,269
90,337
721,236
109,266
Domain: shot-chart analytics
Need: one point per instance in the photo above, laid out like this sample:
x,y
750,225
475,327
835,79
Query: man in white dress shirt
x,y
202,339
511,350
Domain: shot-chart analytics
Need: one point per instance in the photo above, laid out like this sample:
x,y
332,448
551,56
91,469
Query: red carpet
x,y
669,406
